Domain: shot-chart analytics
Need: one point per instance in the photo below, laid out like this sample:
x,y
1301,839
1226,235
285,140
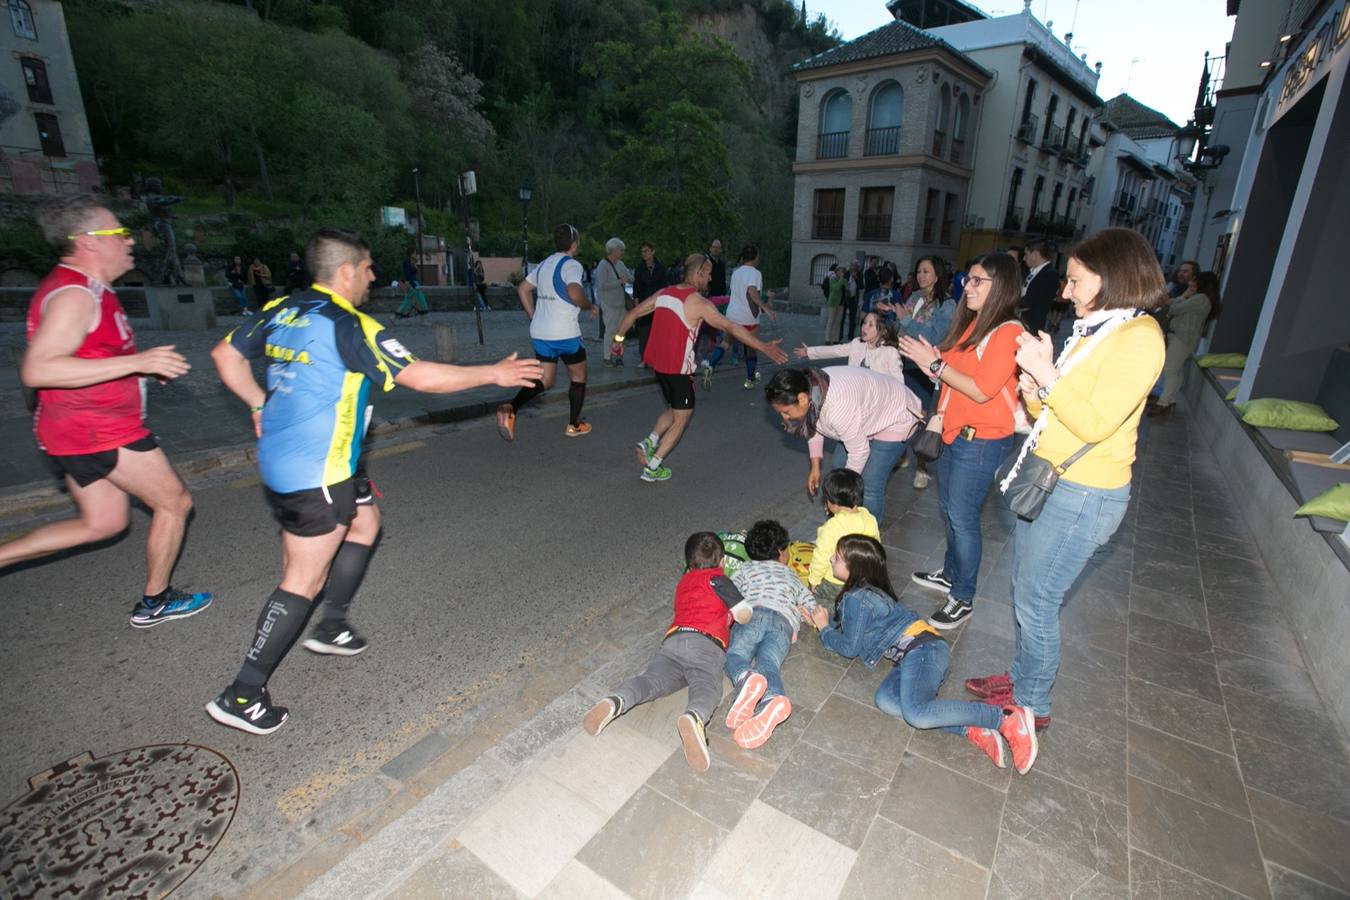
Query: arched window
x,y
21,17
820,267
960,125
944,117
884,119
836,119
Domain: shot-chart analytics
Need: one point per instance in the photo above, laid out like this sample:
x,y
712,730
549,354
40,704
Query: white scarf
x,y
1095,326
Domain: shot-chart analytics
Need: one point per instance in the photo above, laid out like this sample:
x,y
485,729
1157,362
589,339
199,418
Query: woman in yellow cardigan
x,y
1093,393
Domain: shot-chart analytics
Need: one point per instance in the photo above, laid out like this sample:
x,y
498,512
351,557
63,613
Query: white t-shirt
x,y
555,316
739,309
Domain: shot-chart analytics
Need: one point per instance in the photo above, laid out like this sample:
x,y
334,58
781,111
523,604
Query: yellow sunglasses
x,y
102,232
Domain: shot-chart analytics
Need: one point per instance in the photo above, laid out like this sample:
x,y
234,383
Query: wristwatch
x,y
1043,393
935,366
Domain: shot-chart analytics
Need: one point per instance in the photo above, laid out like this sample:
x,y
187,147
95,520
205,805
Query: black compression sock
x,y
576,396
526,395
279,623
344,577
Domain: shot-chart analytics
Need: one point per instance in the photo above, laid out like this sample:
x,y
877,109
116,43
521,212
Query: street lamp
x,y
1187,138
525,193
417,191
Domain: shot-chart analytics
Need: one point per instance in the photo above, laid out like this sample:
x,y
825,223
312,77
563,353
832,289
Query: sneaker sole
x,y
695,750
570,433
214,711
1035,744
946,591
313,645
151,623
948,626
743,710
756,732
600,715
505,427
644,477
641,455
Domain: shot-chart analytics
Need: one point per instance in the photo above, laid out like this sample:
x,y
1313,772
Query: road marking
x,y
396,449
240,483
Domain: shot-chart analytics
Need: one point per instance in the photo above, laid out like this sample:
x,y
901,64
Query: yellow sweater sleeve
x,y
1097,396
857,521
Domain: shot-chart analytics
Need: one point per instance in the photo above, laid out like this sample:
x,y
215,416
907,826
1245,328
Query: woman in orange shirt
x,y
975,368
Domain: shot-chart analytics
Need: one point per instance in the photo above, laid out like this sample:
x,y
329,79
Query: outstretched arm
x,y
709,314
442,378
645,308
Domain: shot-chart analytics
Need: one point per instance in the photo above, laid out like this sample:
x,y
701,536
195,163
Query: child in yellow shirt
x,y
843,494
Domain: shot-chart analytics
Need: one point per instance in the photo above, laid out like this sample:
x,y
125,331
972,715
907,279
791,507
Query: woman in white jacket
x,y
876,348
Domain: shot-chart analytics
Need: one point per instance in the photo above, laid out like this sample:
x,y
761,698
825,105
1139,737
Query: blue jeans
x,y
909,692
240,296
1048,556
766,639
965,473
876,472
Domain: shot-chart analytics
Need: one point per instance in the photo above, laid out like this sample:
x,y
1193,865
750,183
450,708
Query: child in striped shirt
x,y
775,594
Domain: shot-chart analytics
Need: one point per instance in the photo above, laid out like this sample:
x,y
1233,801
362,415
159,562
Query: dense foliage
x,y
625,117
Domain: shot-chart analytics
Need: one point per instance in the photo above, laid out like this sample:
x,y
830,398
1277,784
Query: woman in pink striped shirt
x,y
869,415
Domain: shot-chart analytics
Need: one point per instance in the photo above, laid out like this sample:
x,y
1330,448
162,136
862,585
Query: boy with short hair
x,y
774,592
842,491
692,653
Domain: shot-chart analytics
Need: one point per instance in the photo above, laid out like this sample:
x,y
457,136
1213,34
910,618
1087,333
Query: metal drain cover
x,y
135,823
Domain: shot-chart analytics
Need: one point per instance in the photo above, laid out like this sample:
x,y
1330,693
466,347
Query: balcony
x,y
1026,132
832,145
827,227
1053,139
939,141
874,227
882,141
1012,219
958,151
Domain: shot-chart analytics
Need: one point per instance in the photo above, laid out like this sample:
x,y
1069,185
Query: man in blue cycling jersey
x,y
323,356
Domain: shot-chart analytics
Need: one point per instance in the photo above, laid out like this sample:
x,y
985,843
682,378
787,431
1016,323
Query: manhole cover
x,y
131,824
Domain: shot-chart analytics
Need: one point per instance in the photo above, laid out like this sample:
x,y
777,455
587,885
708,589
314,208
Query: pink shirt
x,y
883,359
863,406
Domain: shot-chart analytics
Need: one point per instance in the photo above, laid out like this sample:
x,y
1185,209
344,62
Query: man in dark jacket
x,y
649,278
1040,288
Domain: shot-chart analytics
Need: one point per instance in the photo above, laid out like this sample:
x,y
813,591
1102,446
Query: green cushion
x,y
1291,414
1231,395
1334,504
1222,360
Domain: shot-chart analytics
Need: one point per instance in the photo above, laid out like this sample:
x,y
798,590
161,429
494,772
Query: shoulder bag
x,y
1035,480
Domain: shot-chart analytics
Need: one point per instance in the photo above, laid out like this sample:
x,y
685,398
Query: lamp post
x,y
525,193
417,192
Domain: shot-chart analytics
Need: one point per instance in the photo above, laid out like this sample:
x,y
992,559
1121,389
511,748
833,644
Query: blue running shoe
x,y
175,605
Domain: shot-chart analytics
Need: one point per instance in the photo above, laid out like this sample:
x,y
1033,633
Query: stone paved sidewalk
x,y
1190,754
202,426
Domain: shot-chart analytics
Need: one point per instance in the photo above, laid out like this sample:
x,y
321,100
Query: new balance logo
x,y
256,711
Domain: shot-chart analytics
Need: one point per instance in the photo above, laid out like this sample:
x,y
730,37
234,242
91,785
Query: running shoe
x,y
756,732
743,710
707,375
695,742
601,714
748,384
646,449
336,639
952,614
174,605
578,429
656,473
990,686
989,742
506,422
1019,730
936,580
255,715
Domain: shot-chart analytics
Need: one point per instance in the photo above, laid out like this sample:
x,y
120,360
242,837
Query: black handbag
x,y
926,441
1034,482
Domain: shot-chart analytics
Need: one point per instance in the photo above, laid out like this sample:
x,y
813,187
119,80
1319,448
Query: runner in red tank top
x,y
677,312
83,363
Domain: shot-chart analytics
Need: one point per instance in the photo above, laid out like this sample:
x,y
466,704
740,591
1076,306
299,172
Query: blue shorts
x,y
569,350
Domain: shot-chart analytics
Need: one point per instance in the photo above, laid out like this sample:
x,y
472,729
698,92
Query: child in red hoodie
x,y
693,653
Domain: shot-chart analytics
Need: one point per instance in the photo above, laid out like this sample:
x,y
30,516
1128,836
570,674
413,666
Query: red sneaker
x,y
756,731
506,422
988,741
1019,730
990,685
743,710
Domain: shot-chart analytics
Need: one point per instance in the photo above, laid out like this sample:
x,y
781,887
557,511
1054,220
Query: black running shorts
x,y
86,468
677,389
316,511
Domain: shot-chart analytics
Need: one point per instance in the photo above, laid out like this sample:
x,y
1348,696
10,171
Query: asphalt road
x,y
491,554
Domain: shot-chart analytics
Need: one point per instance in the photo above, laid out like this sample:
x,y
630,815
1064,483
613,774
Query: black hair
x,y
843,487
703,550
765,540
564,236
866,561
332,248
749,252
785,385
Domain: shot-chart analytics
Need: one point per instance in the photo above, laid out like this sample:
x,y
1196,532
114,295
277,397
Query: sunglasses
x,y
122,232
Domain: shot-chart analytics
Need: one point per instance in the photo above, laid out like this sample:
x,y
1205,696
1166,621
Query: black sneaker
x,y
935,580
255,715
335,640
951,615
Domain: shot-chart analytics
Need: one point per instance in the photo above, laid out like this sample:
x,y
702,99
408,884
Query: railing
x,y
1012,219
832,145
1054,138
939,138
882,141
830,227
1026,132
874,227
958,151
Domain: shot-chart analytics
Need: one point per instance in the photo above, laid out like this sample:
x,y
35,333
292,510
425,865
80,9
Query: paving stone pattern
x,y
1190,755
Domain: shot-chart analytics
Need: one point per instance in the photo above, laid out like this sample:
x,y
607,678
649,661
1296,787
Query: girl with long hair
x,y
975,368
870,624
875,348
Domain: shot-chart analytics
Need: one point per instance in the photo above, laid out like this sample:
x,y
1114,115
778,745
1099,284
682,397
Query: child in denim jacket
x,y
870,624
